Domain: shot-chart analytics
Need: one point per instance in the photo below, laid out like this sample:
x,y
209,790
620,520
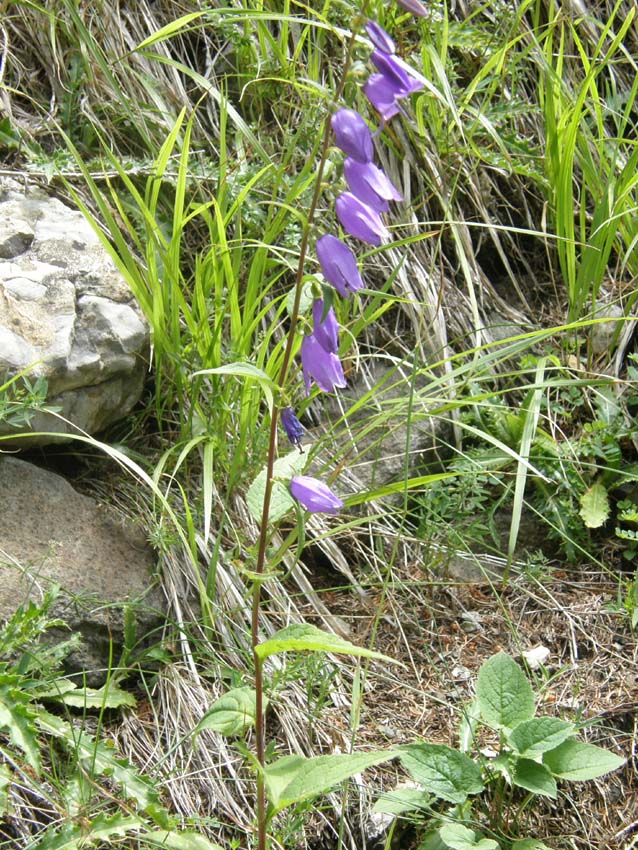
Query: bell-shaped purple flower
x,y
369,183
314,495
383,95
326,332
353,135
292,426
396,74
339,265
359,220
324,367
379,37
413,6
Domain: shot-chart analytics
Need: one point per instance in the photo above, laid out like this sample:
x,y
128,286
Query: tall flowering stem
x,y
260,728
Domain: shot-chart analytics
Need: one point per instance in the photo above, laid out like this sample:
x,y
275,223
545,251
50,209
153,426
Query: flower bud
x,y
339,265
292,426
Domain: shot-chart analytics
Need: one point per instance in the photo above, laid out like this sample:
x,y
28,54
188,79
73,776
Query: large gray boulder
x,y
66,314
51,534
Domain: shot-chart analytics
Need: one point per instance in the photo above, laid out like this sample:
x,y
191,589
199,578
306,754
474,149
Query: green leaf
x,y
536,736
100,831
459,837
594,506
69,693
179,840
504,694
281,500
18,718
402,800
576,761
232,713
535,777
529,844
303,637
170,29
442,771
245,370
294,778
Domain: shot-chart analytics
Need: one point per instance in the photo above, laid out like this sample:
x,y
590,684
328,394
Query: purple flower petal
x,y
379,37
413,6
396,73
324,367
314,495
292,426
383,96
339,265
359,220
353,135
370,184
327,332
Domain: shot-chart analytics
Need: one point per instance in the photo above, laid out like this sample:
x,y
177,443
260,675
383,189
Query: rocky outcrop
x,y
66,314
51,534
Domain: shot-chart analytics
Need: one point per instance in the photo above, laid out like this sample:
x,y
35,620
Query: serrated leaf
x,y
538,735
594,506
504,694
232,713
18,719
535,777
307,297
281,500
577,761
294,778
173,840
68,693
459,837
442,771
302,637
402,800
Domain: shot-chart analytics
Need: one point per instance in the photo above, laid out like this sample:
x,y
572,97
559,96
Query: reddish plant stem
x,y
260,724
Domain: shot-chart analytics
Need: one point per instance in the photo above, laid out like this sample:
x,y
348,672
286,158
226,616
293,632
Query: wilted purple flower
x,y
292,426
321,365
369,183
326,332
396,73
339,265
379,37
360,220
413,6
314,495
352,134
383,96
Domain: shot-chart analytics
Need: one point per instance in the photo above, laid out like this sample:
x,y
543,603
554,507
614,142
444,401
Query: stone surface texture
x,y
66,313
51,534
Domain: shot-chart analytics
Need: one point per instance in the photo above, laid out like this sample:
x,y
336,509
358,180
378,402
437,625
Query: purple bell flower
x,y
326,332
395,73
359,220
383,96
379,37
369,183
353,135
339,265
314,495
324,367
292,426
413,6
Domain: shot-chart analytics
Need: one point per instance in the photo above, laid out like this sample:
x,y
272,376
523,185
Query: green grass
x,y
189,138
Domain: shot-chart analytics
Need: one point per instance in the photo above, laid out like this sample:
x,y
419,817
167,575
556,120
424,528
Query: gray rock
x,y
51,534
66,314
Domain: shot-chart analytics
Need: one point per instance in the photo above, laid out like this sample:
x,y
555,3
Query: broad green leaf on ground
x,y
68,693
281,500
504,694
17,718
535,777
101,831
302,637
232,713
529,844
442,771
179,841
536,736
459,837
294,778
245,370
594,506
402,800
577,761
